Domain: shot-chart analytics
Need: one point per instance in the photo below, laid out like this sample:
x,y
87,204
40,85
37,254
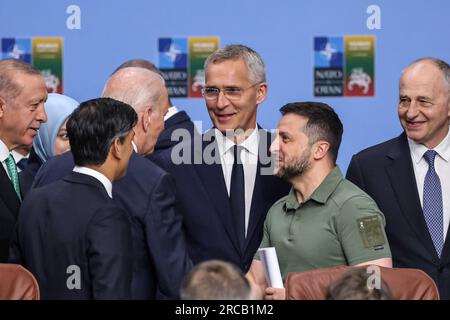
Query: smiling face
x,y
233,114
291,148
424,104
21,117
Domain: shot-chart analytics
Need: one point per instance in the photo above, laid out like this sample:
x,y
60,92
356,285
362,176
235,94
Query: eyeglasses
x,y
231,93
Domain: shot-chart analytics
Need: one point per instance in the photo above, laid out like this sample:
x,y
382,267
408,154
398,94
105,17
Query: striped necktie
x,y
12,171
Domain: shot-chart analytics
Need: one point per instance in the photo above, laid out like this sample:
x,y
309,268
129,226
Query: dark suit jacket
x,y
180,120
73,222
9,208
386,173
26,176
146,193
204,202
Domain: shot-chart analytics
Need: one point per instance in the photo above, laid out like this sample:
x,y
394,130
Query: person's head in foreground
x,y
357,284
215,280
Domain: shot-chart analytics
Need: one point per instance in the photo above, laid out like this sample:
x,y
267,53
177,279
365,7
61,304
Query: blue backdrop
x,y
281,31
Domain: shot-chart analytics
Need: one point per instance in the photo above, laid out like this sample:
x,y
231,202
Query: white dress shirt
x,y
442,167
135,148
170,112
249,159
17,157
4,154
97,175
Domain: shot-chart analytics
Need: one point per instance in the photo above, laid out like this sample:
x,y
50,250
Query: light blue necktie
x,y
432,203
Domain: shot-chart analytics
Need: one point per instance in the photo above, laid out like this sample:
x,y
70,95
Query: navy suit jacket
x,y
73,223
204,202
9,208
179,120
386,173
146,193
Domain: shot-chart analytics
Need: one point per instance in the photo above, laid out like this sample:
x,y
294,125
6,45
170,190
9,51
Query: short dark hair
x,y
353,285
215,280
323,123
9,89
93,127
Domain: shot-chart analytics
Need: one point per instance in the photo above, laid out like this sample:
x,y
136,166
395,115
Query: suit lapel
x,y
212,178
8,193
445,255
402,178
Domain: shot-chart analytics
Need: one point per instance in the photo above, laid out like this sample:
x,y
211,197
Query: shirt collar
x,y
97,175
250,144
418,150
170,112
135,148
18,156
327,187
321,194
291,201
4,151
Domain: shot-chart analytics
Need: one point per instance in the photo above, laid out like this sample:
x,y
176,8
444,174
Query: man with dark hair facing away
x,y
70,234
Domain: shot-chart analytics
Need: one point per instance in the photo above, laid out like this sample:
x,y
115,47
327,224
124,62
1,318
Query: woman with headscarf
x,y
51,139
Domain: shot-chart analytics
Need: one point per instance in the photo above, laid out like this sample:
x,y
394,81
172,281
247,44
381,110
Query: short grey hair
x,y
253,61
135,86
443,66
9,88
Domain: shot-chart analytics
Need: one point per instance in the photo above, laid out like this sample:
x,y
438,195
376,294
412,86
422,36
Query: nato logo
x,y
328,52
173,53
17,49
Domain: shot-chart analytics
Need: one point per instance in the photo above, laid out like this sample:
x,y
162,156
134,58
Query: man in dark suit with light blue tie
x,y
409,176
70,234
224,177
146,192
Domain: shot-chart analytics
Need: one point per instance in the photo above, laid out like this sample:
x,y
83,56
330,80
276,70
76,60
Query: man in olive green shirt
x,y
325,220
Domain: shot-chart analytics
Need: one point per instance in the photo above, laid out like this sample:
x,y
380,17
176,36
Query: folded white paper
x,y
271,267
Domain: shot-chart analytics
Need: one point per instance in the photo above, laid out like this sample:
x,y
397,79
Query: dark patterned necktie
x,y
432,203
237,195
22,164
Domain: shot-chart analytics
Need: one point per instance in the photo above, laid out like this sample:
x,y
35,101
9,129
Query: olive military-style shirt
x,y
338,225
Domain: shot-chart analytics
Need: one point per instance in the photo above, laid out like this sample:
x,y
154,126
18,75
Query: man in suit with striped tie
x,y
22,97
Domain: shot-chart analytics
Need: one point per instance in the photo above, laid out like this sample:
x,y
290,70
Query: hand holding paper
x,y
271,267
